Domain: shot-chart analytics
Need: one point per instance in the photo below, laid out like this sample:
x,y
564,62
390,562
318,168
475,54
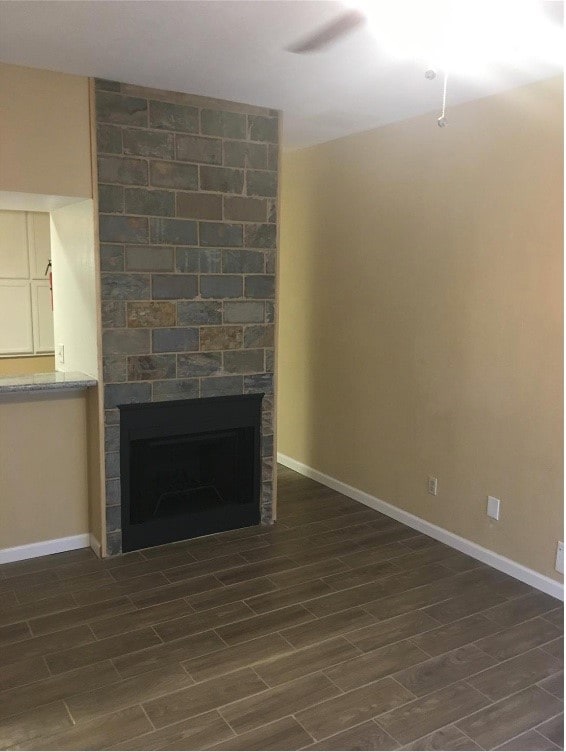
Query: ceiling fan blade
x,y
331,32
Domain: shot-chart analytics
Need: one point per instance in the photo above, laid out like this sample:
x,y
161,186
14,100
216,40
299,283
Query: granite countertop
x,y
46,382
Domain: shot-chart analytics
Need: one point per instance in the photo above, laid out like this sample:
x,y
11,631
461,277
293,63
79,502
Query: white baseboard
x,y
94,543
510,567
43,548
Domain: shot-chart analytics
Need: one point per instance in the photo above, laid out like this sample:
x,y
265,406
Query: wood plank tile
x,y
258,569
456,634
281,735
510,717
350,709
521,609
448,738
45,691
392,630
431,712
240,656
518,639
111,647
365,736
289,596
199,568
384,552
556,617
11,614
473,601
137,618
173,629
255,626
301,662
554,685
275,703
377,664
22,729
330,626
555,647
23,672
231,593
174,591
150,566
410,600
81,614
119,589
14,632
94,735
203,697
135,664
363,575
200,732
124,693
65,587
204,549
515,674
308,572
554,730
530,740
41,646
435,673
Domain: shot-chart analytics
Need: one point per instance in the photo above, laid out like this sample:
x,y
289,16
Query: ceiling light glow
x,y
465,36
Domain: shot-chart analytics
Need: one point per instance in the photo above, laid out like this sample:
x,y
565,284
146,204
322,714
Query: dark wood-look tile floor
x,y
338,628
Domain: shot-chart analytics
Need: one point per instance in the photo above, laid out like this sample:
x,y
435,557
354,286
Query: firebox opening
x,y
189,468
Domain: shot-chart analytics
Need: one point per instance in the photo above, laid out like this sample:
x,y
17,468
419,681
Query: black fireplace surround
x,y
189,468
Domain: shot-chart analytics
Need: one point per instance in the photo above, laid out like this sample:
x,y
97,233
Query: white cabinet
x,y
39,240
14,262
16,332
26,316
42,317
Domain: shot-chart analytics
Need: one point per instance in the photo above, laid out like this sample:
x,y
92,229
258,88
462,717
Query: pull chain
x,y
442,119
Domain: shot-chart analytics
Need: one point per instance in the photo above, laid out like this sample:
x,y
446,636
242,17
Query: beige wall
x,y
23,366
44,132
43,468
74,286
421,317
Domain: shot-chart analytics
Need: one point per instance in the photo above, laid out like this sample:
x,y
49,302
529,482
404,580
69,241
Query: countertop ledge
x,y
46,382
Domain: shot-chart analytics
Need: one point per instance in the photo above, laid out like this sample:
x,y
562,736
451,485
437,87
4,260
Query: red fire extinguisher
x,y
49,270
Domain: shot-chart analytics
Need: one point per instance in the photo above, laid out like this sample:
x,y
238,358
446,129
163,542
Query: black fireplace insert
x,y
189,468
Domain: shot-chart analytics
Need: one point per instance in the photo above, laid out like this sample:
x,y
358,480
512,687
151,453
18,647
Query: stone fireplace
x,y
187,191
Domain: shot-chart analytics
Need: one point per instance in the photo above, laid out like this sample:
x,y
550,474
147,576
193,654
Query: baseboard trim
x,y
43,548
94,543
510,567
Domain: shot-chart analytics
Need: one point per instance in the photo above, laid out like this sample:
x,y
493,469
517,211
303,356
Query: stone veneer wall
x,y
187,192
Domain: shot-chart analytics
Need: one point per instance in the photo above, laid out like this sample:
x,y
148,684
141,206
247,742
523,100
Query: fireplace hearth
x,y
189,468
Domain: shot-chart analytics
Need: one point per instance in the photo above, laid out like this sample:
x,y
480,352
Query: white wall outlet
x,y
559,566
493,505
60,354
432,485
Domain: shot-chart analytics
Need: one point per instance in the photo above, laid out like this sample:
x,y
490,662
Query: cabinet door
x,y
15,317
42,317
39,238
13,245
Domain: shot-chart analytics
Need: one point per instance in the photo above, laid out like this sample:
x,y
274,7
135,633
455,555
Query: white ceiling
x,y
235,49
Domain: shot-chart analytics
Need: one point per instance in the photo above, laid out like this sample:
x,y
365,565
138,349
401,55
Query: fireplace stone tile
x,y
119,394
221,386
175,389
174,254
195,313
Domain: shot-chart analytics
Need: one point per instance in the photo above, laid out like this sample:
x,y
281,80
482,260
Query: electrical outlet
x,y
60,354
493,505
559,565
432,487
